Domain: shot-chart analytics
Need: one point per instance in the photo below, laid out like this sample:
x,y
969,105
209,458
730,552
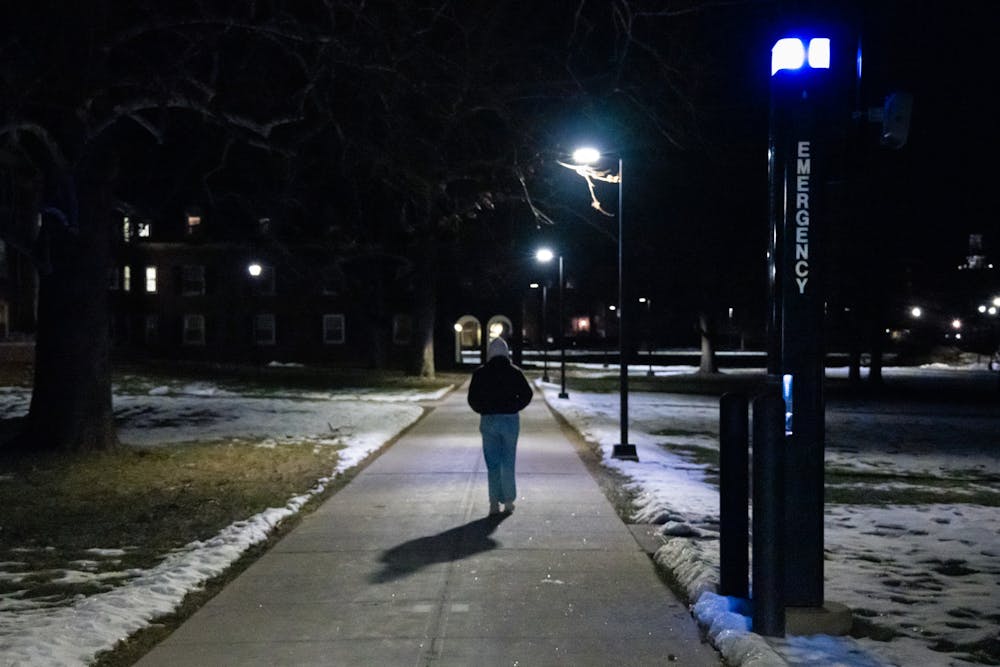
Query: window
x,y
192,280
126,229
402,329
126,278
333,329
114,279
263,329
144,230
193,224
151,329
194,330
264,226
151,279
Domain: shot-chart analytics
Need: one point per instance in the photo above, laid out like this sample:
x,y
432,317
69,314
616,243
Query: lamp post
x,y
544,332
545,255
649,333
622,450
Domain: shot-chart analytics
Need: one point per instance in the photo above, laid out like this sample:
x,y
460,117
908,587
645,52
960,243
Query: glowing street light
x,y
649,334
956,323
916,312
585,156
544,330
255,269
546,255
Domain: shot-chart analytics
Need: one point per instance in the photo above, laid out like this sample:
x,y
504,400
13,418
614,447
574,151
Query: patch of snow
x,y
921,574
47,631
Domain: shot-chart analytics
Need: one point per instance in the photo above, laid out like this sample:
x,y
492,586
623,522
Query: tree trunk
x,y
854,363
875,367
708,364
71,401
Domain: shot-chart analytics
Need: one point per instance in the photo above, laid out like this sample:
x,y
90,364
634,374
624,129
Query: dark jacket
x,y
499,388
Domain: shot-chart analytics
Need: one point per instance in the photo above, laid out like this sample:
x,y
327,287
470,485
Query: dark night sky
x,y
703,207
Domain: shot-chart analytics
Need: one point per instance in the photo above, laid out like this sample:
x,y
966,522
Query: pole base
x,y
545,378
624,452
563,394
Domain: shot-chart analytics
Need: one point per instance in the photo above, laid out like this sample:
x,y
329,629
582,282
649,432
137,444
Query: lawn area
x,y
212,450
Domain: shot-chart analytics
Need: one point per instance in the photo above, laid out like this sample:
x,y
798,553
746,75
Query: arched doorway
x,y
468,340
500,326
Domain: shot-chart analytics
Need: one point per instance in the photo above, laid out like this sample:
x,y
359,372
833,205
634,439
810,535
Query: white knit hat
x,y
497,348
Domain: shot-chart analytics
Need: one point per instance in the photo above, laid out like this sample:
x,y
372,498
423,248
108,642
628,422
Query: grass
x,y
885,489
854,488
139,502
690,383
135,505
250,379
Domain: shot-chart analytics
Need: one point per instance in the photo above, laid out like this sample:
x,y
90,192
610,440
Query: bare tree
x,y
87,90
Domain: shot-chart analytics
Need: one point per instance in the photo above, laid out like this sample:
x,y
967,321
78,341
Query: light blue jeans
x,y
500,449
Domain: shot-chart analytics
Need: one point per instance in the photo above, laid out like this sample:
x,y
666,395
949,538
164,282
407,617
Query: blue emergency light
x,y
792,53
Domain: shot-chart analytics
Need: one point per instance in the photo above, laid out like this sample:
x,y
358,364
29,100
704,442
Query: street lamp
x,y
622,450
545,255
544,331
649,333
255,269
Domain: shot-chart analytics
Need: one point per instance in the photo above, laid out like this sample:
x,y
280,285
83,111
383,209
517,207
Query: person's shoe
x,y
508,508
494,508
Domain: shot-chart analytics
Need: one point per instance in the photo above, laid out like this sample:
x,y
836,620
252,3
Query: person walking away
x,y
498,392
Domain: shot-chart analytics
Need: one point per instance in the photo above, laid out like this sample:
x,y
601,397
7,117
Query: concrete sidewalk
x,y
402,567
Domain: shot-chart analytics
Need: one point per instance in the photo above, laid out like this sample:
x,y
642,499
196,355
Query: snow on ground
x,y
35,632
923,578
923,575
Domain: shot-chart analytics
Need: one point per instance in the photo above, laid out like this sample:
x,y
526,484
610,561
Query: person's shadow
x,y
451,545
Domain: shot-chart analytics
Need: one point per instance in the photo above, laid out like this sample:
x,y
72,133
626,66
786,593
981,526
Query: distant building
x,y
179,293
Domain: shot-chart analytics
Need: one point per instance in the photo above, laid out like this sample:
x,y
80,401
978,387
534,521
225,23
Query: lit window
x,y
193,223
192,280
581,325
333,329
402,329
152,329
126,229
150,279
263,329
144,230
194,330
264,226
126,278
